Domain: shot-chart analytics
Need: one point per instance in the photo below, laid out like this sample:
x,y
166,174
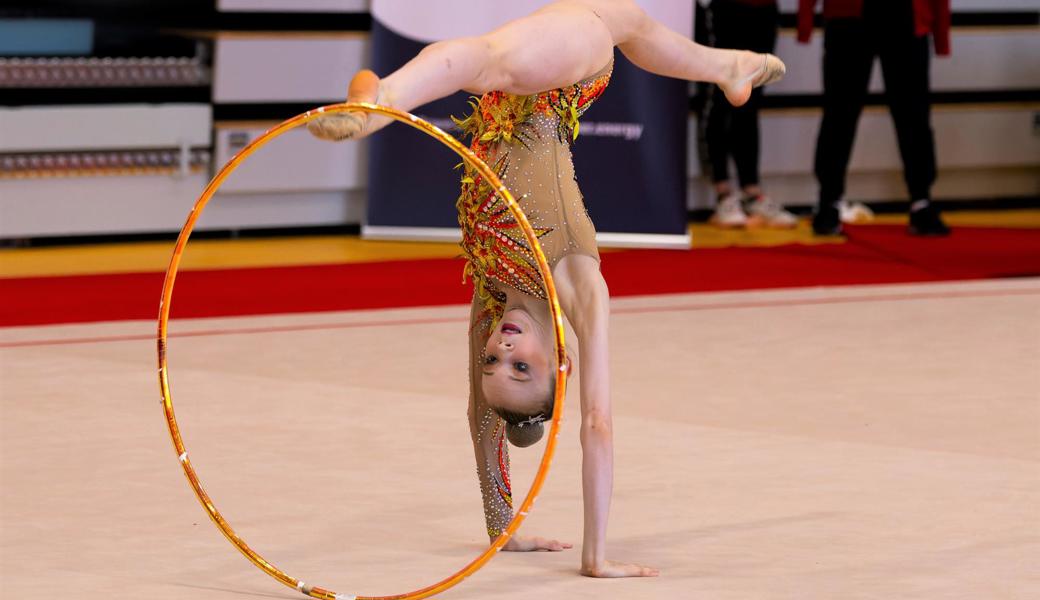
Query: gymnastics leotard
x,y
526,140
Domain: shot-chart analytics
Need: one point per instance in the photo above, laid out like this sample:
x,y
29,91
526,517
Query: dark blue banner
x,y
630,159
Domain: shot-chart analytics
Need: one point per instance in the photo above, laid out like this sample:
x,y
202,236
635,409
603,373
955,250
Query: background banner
x,y
630,156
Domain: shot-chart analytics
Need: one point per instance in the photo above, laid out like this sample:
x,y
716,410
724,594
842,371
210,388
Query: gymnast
x,y
522,125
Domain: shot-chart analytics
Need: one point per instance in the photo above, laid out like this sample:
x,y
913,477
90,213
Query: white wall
x,y
983,150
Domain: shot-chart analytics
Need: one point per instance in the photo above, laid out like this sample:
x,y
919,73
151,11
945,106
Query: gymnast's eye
x,y
490,360
521,366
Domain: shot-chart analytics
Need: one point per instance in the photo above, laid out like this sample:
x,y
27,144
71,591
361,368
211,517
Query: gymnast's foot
x,y
751,70
612,569
364,87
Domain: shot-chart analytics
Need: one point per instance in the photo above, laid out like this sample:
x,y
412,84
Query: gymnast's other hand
x,y
534,544
611,568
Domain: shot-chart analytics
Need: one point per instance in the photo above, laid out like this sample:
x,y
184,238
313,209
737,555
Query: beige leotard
x,y
526,139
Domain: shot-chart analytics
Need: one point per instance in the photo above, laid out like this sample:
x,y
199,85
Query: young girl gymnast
x,y
523,125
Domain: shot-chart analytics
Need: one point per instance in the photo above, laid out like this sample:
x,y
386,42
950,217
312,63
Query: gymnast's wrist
x,y
591,560
591,567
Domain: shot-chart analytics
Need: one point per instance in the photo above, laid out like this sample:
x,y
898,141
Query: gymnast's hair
x,y
525,430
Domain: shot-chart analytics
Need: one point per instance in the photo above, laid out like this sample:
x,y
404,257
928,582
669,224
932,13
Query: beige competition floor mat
x,y
864,442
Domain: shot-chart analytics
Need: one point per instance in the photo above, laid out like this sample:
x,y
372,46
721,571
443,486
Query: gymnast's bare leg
x,y
553,47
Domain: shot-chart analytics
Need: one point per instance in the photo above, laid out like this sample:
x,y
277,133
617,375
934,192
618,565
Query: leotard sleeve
x,y
488,431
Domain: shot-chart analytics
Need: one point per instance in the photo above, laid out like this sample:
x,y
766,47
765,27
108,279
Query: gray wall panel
x,y
292,162
96,205
262,68
119,126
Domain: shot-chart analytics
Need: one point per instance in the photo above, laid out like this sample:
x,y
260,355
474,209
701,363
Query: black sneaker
x,y
927,222
826,221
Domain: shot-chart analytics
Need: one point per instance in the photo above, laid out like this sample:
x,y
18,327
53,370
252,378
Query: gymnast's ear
x,y
570,366
525,436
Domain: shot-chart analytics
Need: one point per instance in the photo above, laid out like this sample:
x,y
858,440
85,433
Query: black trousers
x,y
850,45
734,131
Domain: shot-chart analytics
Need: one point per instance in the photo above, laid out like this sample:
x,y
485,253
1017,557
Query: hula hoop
x,y
164,376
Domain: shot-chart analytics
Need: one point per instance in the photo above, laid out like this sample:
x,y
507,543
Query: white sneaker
x,y
766,212
729,213
854,212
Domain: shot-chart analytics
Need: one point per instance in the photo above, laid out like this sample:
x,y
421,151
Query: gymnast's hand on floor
x,y
611,568
534,544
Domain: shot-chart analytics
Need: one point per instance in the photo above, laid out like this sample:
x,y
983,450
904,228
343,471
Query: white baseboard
x,y
605,239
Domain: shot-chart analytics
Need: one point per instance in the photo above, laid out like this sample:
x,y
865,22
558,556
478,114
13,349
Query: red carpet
x,y
873,254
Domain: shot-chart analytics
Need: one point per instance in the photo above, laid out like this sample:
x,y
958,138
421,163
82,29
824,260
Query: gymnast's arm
x,y
491,450
488,432
586,302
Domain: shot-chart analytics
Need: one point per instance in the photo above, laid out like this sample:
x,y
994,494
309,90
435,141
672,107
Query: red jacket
x,y
930,16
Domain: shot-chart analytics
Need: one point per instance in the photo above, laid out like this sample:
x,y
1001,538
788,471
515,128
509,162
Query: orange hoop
x,y
164,376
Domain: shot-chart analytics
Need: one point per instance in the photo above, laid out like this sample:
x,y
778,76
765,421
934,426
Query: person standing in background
x,y
733,131
856,31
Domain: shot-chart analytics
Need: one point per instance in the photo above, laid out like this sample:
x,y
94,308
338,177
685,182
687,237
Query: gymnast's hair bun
x,y
525,435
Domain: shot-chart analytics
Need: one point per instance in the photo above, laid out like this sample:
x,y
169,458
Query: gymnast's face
x,y
517,364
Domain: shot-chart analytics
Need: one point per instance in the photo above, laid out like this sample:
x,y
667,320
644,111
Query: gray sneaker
x,y
729,213
854,212
763,211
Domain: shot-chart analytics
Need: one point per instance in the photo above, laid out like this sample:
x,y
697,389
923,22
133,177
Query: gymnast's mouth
x,y
510,329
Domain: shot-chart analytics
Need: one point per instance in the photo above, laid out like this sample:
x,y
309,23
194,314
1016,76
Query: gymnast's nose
x,y
506,345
